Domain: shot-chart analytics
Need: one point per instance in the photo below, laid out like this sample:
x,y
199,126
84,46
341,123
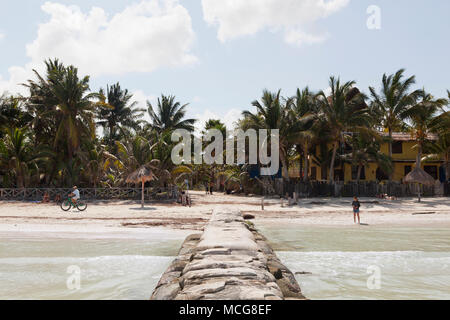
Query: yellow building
x,y
404,159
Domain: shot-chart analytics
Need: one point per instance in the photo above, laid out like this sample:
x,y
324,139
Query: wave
x,y
61,260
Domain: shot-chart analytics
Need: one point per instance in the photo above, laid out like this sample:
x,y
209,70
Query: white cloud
x,y
143,37
197,99
228,118
2,35
17,76
295,18
141,98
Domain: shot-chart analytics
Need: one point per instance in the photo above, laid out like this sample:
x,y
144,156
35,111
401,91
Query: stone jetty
x,y
229,261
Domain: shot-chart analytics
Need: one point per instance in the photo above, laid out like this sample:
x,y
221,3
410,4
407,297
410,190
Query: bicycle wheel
x,y
66,205
81,206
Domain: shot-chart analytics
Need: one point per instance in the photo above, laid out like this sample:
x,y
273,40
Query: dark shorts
x,y
356,210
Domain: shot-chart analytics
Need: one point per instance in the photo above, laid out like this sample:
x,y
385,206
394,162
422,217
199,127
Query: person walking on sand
x,y
211,186
206,187
356,205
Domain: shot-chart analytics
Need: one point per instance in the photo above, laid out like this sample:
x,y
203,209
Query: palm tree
x,y
423,119
366,149
132,154
169,115
305,114
12,113
392,103
18,156
272,113
343,111
119,110
215,124
96,162
441,150
66,98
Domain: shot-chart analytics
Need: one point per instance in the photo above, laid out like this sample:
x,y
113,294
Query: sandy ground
x,y
127,219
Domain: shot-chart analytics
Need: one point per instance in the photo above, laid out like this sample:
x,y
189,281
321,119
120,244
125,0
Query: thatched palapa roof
x,y
143,174
419,176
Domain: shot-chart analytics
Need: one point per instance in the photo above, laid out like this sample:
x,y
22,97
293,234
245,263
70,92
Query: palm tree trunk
x,y
447,167
70,163
301,168
70,155
419,156
391,175
111,134
299,150
333,158
20,175
285,165
142,195
306,174
358,177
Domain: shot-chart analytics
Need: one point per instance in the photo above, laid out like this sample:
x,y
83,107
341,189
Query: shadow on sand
x,y
143,209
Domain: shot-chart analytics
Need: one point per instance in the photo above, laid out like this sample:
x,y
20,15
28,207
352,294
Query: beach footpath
x,y
229,261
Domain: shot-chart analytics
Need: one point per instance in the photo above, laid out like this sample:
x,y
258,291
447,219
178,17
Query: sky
x,y
219,55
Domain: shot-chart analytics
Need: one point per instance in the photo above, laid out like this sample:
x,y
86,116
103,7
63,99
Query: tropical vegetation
x,y
62,133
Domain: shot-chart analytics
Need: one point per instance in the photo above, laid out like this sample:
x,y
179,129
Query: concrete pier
x,y
229,261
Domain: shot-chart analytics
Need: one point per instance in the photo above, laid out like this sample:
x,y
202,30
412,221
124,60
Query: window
x,y
324,173
314,173
348,148
355,173
339,175
408,169
381,175
432,171
397,147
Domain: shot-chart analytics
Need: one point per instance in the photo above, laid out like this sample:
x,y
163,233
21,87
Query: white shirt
x,y
76,192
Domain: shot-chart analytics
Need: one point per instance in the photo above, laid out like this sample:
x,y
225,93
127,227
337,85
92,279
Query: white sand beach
x,y
127,219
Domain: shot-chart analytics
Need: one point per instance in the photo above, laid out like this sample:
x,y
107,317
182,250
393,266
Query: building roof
x,y
403,136
419,176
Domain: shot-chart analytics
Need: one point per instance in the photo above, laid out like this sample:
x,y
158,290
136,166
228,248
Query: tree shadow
x,y
144,209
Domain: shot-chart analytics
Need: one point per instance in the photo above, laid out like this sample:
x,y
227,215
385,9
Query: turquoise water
x,y
109,269
413,263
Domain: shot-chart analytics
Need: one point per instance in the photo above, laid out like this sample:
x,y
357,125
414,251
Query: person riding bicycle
x,y
75,195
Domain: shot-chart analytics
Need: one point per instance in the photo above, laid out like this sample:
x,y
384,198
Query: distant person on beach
x,y
58,198
356,205
75,195
206,187
46,198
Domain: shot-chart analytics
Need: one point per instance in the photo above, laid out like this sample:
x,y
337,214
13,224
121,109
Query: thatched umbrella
x,y
141,175
419,177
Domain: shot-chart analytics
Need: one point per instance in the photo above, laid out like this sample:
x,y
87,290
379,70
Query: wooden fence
x,y
37,194
362,189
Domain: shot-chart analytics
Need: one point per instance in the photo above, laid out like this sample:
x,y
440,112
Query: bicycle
x,y
68,204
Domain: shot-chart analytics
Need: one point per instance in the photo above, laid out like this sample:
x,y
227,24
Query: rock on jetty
x,y
229,261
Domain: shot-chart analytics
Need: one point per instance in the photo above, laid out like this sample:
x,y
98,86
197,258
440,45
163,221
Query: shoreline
x,y
125,220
